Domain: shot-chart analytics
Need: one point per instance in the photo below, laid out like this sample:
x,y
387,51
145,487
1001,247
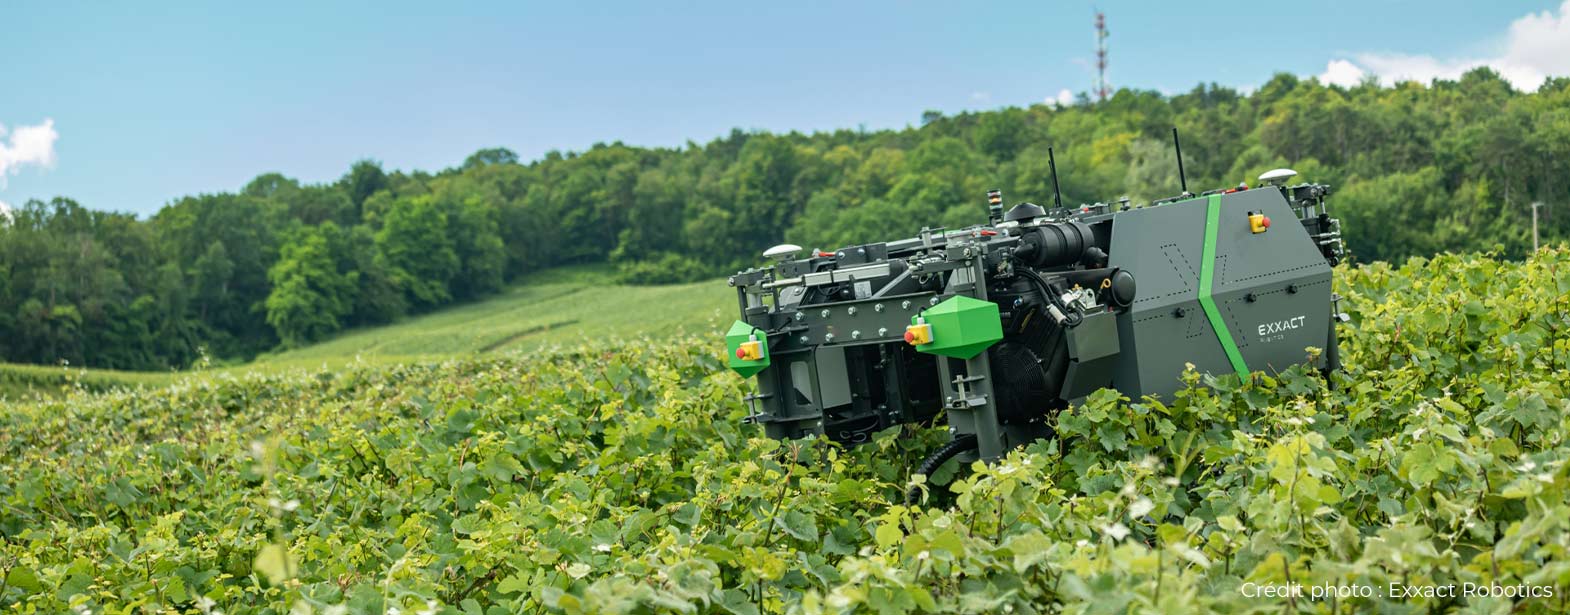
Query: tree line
x,y
1417,169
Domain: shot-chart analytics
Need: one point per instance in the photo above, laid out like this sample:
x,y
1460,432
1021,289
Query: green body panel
x,y
962,327
1207,278
740,333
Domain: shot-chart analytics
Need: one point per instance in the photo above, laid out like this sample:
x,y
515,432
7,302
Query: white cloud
x,y
981,96
27,145
1535,47
1343,73
5,213
1065,98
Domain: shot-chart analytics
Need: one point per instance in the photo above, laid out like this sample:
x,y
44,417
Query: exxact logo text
x,y
1281,326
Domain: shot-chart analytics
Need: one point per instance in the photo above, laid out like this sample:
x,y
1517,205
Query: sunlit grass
x,y
555,307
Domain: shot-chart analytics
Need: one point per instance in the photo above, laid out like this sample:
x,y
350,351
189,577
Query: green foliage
x,y
664,268
222,297
310,296
481,254
27,381
489,156
1000,134
1417,169
365,178
544,310
419,250
620,479
549,309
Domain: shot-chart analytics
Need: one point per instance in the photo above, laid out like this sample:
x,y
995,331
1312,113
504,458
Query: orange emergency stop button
x,y
917,335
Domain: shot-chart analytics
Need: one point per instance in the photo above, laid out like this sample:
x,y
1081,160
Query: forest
x,y
1417,169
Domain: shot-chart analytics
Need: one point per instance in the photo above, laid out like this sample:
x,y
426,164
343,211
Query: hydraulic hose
x,y
937,459
1072,315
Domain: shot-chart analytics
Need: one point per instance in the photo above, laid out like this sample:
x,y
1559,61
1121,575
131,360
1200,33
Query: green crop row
x,y
21,381
622,480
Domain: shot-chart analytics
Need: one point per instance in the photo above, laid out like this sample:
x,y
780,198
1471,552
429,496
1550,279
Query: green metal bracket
x,y
962,327
741,333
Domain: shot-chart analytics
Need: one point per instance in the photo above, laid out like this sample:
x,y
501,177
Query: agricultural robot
x,y
1000,325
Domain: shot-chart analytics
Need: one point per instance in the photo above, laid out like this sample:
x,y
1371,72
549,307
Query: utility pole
x,y
1535,205
1102,89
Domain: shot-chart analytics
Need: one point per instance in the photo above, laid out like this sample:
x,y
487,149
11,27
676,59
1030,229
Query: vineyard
x,y
540,311
619,478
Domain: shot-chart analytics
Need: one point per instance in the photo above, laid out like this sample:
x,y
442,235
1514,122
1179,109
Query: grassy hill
x,y
553,307
556,307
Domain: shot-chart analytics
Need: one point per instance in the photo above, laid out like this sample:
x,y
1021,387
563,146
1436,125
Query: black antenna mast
x,y
1057,195
1179,147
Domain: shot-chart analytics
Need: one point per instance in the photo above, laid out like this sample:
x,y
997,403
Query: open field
x,y
554,307
17,380
557,307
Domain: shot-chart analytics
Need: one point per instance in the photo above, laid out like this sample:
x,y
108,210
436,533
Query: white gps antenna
x,y
782,252
1277,177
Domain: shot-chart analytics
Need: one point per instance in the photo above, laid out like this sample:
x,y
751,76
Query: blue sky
x,y
151,101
